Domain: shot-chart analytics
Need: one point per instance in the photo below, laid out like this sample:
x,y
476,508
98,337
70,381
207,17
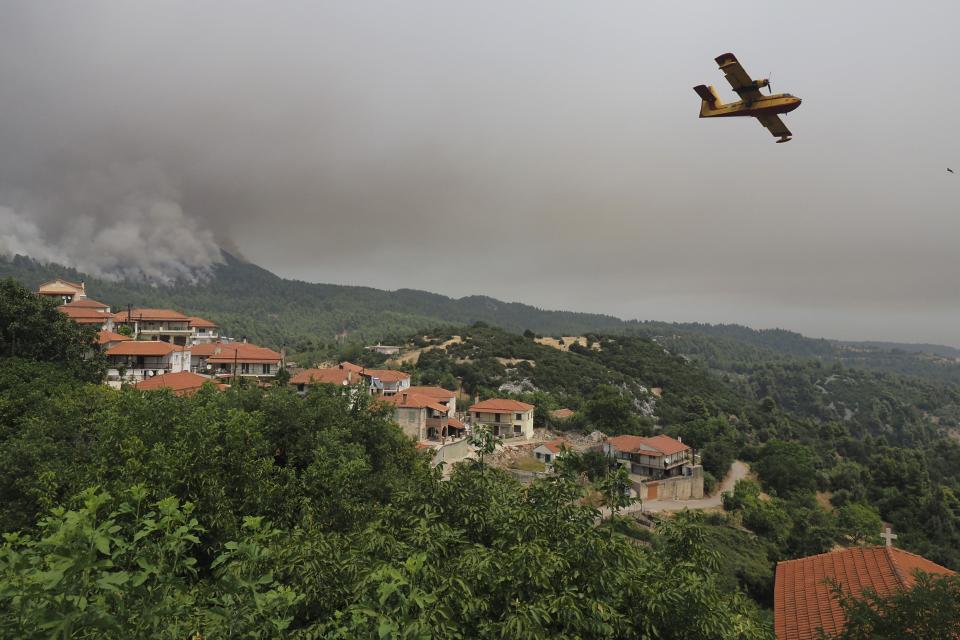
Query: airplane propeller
x,y
769,84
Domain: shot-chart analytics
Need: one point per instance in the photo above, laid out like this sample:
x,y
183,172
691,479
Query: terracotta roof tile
x,y
556,445
83,315
332,375
151,314
230,351
182,383
664,445
502,405
405,400
104,337
86,303
141,348
434,392
349,366
803,603
202,323
386,375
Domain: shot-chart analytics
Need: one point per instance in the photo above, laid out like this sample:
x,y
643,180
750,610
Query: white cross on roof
x,y
889,537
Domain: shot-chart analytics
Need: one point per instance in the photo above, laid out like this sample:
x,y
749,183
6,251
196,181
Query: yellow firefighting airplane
x,y
752,102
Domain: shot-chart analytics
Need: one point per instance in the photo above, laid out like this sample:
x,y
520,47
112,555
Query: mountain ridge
x,y
250,301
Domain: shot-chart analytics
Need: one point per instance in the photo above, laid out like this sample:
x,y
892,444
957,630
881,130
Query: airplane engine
x,y
763,83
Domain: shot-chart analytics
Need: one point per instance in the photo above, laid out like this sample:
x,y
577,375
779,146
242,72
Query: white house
x,y
240,359
548,452
203,331
386,381
136,360
157,324
88,312
655,457
507,418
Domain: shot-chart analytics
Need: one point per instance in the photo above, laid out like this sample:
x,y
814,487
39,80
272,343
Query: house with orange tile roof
x,y
548,452
88,312
136,360
330,375
424,418
654,457
441,395
109,339
182,383
351,367
62,290
203,330
804,602
156,324
234,359
507,418
386,382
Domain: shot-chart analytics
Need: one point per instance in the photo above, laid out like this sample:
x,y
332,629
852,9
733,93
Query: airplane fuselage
x,y
773,104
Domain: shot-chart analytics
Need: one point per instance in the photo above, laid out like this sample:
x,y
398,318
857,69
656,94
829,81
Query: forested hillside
x,y
871,445
319,320
250,301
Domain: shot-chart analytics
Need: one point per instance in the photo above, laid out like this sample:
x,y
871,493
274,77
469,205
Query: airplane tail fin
x,y
711,100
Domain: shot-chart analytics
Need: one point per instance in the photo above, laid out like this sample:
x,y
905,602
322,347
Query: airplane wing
x,y
774,125
737,77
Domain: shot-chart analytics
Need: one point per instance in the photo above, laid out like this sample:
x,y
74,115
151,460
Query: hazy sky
x,y
546,152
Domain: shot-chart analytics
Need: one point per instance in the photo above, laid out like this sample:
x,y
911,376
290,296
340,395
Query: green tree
x,y
859,523
787,467
929,610
32,328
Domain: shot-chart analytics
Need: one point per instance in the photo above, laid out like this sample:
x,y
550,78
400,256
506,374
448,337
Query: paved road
x,y
738,471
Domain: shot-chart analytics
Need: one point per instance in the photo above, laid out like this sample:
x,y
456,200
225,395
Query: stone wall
x,y
453,451
685,487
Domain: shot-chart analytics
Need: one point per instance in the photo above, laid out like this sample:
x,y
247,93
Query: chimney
x,y
680,439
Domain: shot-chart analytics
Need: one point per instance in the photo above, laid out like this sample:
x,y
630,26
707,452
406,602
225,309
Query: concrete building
x,y
385,349
423,418
548,452
507,418
235,359
654,457
89,312
62,290
157,324
133,361
108,339
441,395
203,331
386,382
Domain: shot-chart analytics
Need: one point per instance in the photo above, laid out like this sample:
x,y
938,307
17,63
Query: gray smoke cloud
x,y
118,222
541,151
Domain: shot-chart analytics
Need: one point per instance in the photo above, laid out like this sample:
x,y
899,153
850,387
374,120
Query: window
x,y
266,369
244,367
518,416
517,429
496,417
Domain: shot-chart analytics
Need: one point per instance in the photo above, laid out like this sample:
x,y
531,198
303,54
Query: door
x,y
652,491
